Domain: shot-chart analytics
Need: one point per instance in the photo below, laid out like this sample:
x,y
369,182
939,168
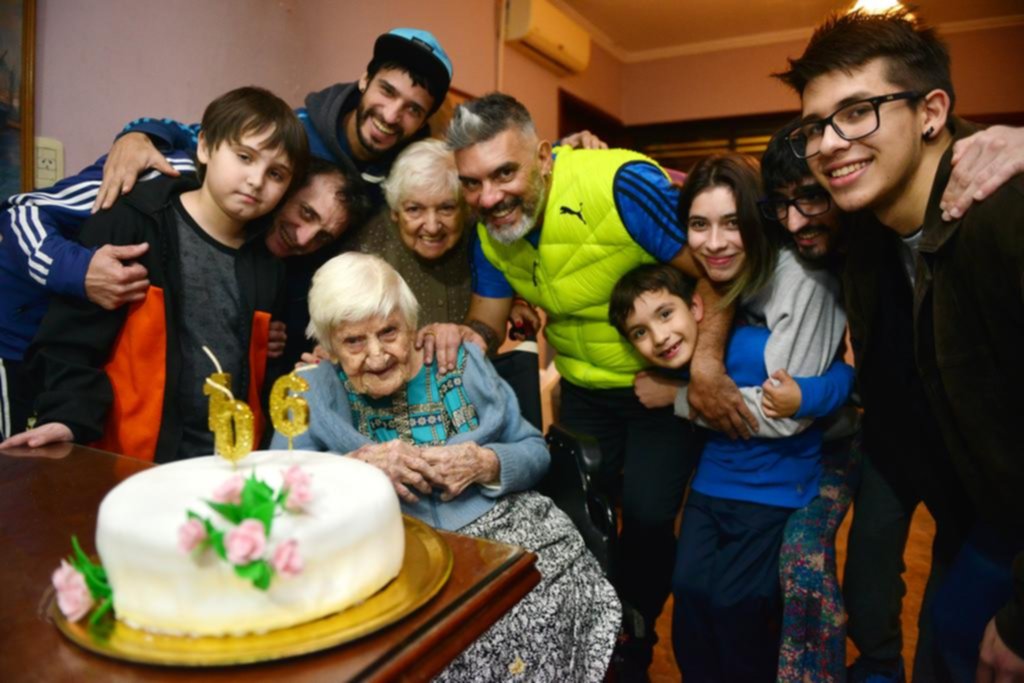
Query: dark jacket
x,y
968,332
969,337
111,376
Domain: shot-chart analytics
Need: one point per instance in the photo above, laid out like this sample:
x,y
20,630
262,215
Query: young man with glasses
x,y
884,504
936,312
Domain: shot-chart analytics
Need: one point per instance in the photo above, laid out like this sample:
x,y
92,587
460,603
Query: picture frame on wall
x,y
17,95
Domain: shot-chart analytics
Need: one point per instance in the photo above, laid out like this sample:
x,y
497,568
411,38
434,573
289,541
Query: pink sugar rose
x,y
246,542
298,484
230,491
190,535
73,596
287,560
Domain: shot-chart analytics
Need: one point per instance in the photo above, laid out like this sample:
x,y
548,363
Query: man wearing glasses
x,y
936,313
884,499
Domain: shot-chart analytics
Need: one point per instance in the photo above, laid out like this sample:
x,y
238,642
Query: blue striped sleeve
x,y
487,279
167,134
646,201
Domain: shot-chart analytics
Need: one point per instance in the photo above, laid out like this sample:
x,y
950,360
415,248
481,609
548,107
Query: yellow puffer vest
x,y
583,251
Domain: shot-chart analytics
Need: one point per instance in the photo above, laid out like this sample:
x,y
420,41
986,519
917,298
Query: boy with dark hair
x,y
131,380
643,280
877,132
657,309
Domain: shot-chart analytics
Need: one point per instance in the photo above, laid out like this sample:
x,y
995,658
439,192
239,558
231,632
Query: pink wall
x,y
987,68
738,82
101,63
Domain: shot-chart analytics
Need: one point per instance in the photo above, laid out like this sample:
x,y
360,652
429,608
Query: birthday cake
x,y
201,547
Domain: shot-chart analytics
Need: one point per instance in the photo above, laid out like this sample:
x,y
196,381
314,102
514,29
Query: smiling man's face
x,y
503,178
817,236
869,173
311,218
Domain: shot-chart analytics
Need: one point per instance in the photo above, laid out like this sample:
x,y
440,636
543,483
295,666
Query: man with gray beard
x,y
559,227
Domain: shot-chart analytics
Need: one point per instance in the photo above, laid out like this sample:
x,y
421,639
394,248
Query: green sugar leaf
x,y
255,493
80,556
94,574
264,512
98,613
259,572
229,511
216,541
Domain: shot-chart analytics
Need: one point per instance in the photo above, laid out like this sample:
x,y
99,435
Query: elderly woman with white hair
x,y
424,234
461,458
428,235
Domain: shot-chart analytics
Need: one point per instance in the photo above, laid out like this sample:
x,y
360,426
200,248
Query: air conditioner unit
x,y
545,33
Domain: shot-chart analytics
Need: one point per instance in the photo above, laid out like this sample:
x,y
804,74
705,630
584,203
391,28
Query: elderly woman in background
x,y
428,236
461,458
424,236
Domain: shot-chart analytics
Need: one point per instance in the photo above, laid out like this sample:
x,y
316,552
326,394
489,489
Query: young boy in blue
x,y
131,380
726,582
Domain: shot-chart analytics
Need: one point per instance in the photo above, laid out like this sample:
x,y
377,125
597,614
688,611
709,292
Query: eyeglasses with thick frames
x,y
850,122
809,204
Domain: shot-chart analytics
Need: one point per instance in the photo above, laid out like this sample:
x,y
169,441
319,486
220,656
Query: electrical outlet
x,y
49,161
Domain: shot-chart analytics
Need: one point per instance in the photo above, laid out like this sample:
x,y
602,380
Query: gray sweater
x,y
520,448
801,307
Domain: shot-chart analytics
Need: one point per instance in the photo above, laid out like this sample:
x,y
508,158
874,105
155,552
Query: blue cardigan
x,y
520,448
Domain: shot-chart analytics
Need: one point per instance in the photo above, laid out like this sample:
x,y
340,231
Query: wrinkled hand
x,y
442,341
131,154
313,357
584,139
277,337
982,163
51,432
782,396
525,321
997,662
112,280
403,463
457,466
717,399
655,391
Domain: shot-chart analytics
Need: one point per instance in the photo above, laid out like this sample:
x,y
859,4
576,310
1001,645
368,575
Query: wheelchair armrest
x,y
574,483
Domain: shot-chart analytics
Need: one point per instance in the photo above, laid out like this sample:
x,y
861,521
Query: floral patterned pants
x,y
813,645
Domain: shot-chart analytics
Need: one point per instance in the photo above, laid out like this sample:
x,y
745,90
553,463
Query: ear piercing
x,y
928,133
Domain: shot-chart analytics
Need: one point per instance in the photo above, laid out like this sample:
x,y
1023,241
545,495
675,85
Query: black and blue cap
x,y
420,51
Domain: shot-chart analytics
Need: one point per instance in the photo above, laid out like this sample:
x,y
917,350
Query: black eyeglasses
x,y
809,204
851,122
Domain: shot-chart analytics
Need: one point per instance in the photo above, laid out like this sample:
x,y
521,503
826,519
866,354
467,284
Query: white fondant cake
x,y
350,538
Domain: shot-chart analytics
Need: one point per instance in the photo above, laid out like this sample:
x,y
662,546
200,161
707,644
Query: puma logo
x,y
579,214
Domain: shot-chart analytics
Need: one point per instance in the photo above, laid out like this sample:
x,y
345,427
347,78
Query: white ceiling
x,y
638,30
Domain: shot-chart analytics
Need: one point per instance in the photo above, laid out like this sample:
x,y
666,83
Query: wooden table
x,y
48,494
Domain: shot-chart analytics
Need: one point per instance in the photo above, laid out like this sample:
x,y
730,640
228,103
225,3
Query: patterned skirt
x,y
562,630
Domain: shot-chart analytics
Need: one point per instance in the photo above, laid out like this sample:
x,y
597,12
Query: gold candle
x,y
217,397
233,430
289,413
230,421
